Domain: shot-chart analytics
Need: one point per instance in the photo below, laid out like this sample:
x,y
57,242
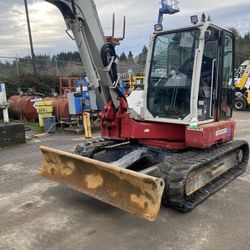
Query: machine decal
x,y
194,129
221,132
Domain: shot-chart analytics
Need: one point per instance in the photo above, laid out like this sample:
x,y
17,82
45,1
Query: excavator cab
x,y
189,75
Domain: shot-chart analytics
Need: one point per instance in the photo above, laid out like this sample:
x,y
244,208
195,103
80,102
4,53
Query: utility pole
x,y
30,38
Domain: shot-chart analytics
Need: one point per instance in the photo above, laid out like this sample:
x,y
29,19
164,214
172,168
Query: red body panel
x,y
132,129
209,134
118,125
164,144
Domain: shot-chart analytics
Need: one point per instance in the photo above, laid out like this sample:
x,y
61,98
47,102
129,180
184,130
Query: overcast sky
x,y
48,25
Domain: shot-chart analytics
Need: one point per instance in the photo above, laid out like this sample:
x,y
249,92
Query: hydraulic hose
x,y
107,52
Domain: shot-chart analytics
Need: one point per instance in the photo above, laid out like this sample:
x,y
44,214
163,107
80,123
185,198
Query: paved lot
x,y
39,214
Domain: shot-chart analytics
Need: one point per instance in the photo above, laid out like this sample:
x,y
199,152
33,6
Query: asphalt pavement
x,y
36,213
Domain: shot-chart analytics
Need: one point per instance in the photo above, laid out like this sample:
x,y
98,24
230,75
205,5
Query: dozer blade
x,y
128,190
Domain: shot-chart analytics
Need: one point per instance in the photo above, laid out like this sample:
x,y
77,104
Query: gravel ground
x,y
38,214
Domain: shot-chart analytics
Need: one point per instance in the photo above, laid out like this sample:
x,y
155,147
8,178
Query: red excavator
x,y
172,142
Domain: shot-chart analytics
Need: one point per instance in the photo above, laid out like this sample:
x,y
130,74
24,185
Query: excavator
x,y
171,143
242,91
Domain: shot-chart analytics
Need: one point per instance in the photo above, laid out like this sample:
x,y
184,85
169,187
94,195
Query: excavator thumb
x,y
128,190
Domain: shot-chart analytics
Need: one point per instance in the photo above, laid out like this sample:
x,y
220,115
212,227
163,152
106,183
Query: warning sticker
x,y
221,132
195,129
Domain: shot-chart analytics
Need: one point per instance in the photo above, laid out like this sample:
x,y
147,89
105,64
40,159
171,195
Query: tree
x,y
130,58
142,57
247,36
68,56
203,17
123,57
242,46
235,32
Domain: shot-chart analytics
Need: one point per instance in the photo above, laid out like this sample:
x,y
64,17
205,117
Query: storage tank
x,y
60,106
21,107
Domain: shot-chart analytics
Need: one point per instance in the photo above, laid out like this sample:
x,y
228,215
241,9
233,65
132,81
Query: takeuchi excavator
x,y
172,142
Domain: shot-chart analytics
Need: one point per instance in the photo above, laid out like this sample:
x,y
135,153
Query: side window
x,y
226,105
208,79
227,62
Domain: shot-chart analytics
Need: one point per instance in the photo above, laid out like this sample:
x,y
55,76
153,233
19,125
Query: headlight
x,y
238,94
158,27
194,19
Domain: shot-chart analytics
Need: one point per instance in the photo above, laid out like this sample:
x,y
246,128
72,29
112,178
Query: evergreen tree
x,y
68,56
130,58
203,18
123,57
247,36
142,57
235,32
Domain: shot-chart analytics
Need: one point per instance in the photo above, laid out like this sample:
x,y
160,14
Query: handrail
x,y
212,87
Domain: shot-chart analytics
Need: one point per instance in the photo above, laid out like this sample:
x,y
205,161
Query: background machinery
x,y
242,91
172,141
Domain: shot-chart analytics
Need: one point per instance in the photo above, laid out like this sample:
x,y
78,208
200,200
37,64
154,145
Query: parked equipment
x,y
137,82
22,107
66,84
60,107
44,109
176,144
75,103
242,91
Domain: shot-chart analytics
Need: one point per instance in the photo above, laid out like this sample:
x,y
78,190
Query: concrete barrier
x,y
11,134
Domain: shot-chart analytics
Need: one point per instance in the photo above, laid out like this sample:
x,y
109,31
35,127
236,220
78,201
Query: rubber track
x,y
176,167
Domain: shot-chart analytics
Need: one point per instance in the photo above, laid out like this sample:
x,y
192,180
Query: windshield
x,y
170,76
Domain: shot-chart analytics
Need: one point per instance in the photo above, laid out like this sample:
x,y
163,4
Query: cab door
x,y
226,93
209,75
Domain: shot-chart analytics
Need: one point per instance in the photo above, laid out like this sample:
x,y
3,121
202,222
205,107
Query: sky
x,y
48,27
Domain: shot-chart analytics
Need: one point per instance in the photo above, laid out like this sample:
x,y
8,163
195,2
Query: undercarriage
x,y
138,178
190,176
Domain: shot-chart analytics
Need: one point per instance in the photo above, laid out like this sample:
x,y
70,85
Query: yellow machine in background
x,y
242,93
132,83
136,82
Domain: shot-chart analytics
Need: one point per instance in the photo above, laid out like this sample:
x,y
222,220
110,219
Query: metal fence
x,y
12,67
135,69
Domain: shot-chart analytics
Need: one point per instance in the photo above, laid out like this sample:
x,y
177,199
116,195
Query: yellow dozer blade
x,y
131,191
